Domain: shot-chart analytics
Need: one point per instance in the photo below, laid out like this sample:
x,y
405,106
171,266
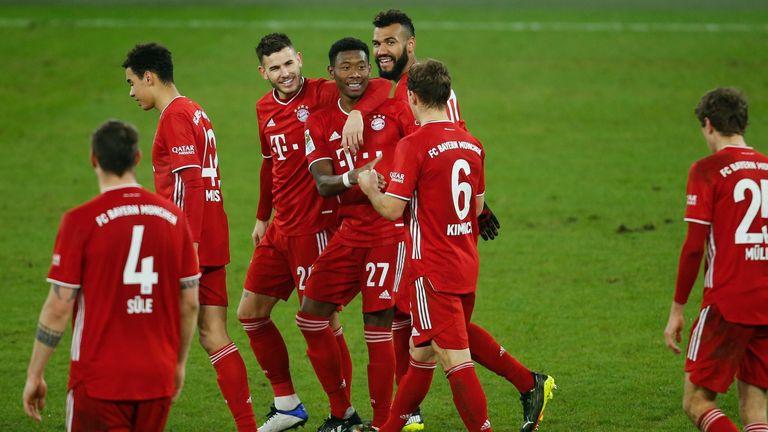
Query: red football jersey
x,y
361,225
729,192
439,169
185,140
126,250
451,108
299,209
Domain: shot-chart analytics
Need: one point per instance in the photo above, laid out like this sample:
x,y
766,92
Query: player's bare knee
x,y
424,354
381,318
254,306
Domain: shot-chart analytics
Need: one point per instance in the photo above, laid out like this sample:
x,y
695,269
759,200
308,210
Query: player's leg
x,y
381,362
401,338
715,351
333,282
699,405
88,414
413,388
151,415
752,403
231,374
491,355
346,357
752,380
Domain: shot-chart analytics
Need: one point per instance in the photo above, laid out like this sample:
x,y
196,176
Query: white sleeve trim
x,y
190,278
185,167
397,196
266,156
480,194
697,221
64,284
309,167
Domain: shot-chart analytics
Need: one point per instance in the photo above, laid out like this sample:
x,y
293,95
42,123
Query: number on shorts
x,y
371,269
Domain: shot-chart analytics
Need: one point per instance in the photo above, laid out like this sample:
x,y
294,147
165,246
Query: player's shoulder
x,y
267,101
391,107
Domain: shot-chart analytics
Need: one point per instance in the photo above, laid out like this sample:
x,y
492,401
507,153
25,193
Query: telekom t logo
x,y
278,145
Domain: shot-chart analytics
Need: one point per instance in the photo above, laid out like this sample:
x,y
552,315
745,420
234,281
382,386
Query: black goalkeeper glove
x,y
489,225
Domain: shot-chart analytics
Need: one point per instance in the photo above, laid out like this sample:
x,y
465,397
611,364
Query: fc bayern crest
x,y
378,123
302,113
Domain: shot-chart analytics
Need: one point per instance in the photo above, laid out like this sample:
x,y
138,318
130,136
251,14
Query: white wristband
x,y
345,179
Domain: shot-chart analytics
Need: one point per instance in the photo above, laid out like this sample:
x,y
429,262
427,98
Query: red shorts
x,y
281,263
403,296
341,272
440,316
719,350
87,414
213,286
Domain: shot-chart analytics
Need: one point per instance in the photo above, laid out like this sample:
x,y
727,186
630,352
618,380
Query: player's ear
x,y
298,58
137,158
148,77
94,162
263,72
330,72
411,44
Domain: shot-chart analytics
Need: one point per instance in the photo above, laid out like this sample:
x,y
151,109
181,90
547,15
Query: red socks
x,y
489,354
323,353
411,392
233,382
715,421
401,338
346,360
269,348
381,371
468,396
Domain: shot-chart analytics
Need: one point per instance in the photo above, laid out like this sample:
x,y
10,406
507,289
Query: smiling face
x,y
283,71
351,71
141,90
393,49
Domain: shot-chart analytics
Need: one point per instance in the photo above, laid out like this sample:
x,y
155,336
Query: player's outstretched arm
x,y
188,309
489,225
387,206
54,317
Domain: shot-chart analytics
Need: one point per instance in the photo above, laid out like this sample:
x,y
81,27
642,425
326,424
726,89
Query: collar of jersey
x,y
277,99
122,186
169,104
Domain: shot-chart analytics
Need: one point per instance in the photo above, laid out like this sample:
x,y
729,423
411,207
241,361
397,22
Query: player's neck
x,y
347,103
432,115
109,181
166,94
721,142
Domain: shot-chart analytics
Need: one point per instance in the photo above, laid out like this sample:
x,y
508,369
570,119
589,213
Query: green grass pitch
x,y
586,116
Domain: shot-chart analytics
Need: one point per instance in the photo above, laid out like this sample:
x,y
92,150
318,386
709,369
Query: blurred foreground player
x,y
439,171
185,162
125,263
727,211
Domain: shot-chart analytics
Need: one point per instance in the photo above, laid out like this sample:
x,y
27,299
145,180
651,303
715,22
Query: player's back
x,y
299,209
128,249
448,163
729,190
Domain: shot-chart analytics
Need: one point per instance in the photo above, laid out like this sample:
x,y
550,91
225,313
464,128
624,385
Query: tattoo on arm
x,y
57,290
48,336
189,284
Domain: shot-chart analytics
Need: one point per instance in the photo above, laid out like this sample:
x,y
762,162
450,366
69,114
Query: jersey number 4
x,y
146,277
759,203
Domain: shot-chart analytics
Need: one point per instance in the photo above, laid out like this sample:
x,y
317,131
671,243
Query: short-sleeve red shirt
x,y
361,225
185,140
729,192
439,170
127,251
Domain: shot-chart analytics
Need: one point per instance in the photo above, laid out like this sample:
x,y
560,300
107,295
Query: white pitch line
x,y
513,26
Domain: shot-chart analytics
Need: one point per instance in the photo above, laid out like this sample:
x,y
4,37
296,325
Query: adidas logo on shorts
x,y
385,295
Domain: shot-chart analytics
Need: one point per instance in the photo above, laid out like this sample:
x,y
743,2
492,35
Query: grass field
x,y
586,115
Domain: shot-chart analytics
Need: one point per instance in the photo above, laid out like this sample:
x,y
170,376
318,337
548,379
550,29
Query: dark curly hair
x,y
727,110
151,57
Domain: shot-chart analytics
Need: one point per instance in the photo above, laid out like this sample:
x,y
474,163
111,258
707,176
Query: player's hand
x,y
259,230
673,332
352,134
369,181
369,166
34,396
489,225
181,372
